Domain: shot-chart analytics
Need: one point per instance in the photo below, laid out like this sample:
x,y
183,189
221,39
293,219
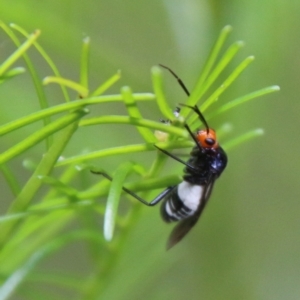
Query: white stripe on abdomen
x,y
190,194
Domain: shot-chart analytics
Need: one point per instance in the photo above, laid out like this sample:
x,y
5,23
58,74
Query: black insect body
x,y
186,201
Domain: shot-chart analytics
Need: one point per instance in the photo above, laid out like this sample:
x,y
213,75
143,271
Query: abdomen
x,y
182,202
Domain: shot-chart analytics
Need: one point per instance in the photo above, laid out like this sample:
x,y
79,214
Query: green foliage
x,y
39,223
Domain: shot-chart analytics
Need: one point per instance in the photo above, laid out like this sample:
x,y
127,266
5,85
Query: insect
x,y
185,202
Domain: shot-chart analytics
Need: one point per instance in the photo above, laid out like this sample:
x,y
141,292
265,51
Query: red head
x,y
207,138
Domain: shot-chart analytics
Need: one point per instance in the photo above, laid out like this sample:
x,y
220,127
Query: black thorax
x,y
208,162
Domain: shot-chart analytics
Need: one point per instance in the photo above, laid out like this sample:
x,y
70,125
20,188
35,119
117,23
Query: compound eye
x,y
210,141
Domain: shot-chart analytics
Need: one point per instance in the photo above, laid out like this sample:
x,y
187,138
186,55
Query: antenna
x,y
198,112
194,108
178,79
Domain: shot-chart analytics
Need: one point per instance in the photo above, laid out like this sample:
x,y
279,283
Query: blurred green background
x,y
246,245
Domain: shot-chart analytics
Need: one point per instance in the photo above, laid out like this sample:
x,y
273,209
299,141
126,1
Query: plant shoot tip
x,y
108,238
125,89
155,70
86,40
259,131
240,43
37,32
227,127
227,28
45,80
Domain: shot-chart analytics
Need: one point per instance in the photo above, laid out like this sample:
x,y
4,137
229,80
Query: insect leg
x,y
156,200
176,158
178,79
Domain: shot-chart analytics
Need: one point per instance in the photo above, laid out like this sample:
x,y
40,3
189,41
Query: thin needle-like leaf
x,y
134,112
4,129
31,187
231,104
19,52
12,73
113,199
209,64
46,57
224,61
221,89
60,186
84,63
80,89
136,122
34,75
17,277
123,150
10,179
38,136
229,80
160,96
106,85
243,138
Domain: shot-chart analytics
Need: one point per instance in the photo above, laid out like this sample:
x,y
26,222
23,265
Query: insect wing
x,y
180,230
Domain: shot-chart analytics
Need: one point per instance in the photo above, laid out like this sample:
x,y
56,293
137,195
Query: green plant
x,y
38,224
